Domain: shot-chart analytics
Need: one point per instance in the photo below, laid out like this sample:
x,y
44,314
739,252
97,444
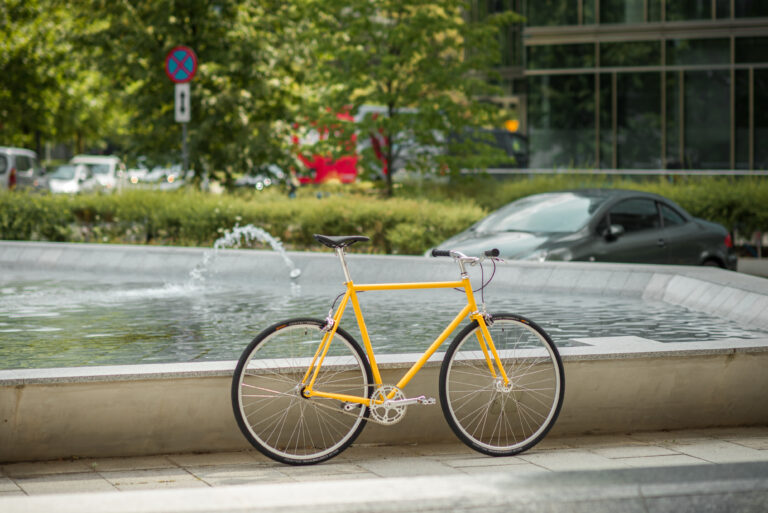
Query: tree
x,y
248,61
427,67
47,92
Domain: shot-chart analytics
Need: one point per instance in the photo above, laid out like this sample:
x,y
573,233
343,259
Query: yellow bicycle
x,y
304,389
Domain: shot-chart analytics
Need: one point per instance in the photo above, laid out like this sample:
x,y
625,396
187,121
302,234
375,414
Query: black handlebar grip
x,y
492,252
440,252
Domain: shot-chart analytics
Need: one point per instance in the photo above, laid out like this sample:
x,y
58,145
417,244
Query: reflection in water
x,y
52,322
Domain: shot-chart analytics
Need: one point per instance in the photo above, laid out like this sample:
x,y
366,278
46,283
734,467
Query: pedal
x,y
426,400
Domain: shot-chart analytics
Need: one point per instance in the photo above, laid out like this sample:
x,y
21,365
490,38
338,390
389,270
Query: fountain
x,y
234,239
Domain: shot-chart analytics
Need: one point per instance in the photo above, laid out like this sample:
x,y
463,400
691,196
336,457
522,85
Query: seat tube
x,y
340,254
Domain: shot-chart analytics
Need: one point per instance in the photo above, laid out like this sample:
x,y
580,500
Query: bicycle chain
x,y
343,410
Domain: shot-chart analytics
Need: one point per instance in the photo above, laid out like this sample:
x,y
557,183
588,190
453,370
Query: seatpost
x,y
340,254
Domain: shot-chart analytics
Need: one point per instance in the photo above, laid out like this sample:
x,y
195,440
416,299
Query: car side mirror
x,y
613,232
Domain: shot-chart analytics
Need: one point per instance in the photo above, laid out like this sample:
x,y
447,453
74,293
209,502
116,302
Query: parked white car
x,y
108,171
71,179
19,168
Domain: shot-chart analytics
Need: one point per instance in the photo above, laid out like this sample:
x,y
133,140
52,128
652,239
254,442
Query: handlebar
x,y
449,252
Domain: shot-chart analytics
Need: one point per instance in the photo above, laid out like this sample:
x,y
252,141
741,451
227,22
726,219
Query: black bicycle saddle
x,y
340,241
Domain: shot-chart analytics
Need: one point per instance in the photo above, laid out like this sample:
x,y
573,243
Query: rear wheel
x,y
267,393
489,416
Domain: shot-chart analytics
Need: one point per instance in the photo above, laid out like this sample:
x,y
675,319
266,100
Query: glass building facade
x,y
641,84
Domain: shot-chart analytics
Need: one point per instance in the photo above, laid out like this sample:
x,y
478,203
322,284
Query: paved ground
x,y
633,472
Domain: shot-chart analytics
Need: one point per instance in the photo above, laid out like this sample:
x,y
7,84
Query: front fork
x,y
492,358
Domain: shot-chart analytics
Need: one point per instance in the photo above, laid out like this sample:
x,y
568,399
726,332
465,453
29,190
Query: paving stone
x,y
671,437
135,463
65,483
552,444
219,458
487,462
152,479
454,450
404,467
337,477
572,460
720,451
584,442
517,469
752,443
7,485
13,494
46,468
239,474
379,451
632,451
674,460
323,469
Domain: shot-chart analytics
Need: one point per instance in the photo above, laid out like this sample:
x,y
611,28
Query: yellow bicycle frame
x,y
471,310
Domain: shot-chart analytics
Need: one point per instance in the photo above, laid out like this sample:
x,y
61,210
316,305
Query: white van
x,y
19,168
71,179
108,171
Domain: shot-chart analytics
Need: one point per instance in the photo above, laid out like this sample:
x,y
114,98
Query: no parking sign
x,y
181,64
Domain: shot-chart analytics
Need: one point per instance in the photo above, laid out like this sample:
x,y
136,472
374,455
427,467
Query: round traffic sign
x,y
181,64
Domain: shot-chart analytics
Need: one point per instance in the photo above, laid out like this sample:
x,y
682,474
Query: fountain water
x,y
234,239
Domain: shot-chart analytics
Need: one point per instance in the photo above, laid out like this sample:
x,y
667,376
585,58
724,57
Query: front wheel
x,y
485,413
267,393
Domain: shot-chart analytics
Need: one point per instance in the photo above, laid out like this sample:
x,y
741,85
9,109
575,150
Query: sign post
x,y
181,66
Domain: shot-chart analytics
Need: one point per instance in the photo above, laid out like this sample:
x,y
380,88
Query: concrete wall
x,y
142,410
616,384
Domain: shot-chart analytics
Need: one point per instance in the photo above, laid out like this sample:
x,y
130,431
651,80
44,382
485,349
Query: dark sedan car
x,y
598,225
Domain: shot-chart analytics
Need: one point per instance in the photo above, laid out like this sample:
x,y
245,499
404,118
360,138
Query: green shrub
x,y
188,217
419,218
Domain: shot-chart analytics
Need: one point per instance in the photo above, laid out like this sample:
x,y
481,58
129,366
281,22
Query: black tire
x,y
267,400
491,418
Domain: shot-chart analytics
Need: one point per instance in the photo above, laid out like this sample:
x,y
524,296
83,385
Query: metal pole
x,y
184,149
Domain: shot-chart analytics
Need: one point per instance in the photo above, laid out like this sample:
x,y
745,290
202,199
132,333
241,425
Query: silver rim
x,y
495,417
269,394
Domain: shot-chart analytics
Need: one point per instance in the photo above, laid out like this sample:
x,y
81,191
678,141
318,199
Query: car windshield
x,y
64,173
555,212
99,169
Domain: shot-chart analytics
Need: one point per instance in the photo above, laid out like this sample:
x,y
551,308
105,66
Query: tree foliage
x,y
47,91
245,83
426,65
90,74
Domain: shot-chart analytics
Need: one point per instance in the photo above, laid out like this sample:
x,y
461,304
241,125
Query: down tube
x,y
431,350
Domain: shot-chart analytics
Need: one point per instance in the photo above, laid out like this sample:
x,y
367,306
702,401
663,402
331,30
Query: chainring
x,y
383,410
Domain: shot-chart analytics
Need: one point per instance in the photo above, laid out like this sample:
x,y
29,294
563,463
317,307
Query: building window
x,y
561,56
761,118
751,49
707,119
622,11
561,120
638,120
698,51
637,53
742,119
750,8
552,12
685,10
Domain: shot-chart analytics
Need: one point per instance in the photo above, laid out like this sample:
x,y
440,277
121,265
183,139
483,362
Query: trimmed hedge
x,y
188,217
738,203
408,224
